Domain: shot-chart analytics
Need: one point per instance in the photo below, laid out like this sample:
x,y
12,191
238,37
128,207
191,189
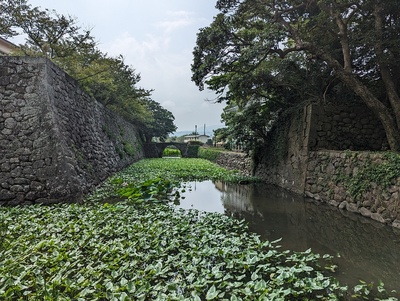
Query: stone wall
x,y
329,176
235,161
56,142
318,150
283,159
350,127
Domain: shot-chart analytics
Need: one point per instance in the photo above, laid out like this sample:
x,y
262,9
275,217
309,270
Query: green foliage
x,y
120,151
155,190
161,124
274,56
175,170
171,152
107,79
193,150
210,154
140,250
129,148
146,252
381,174
195,142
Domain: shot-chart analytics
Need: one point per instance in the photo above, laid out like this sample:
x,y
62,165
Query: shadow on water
x,y
364,249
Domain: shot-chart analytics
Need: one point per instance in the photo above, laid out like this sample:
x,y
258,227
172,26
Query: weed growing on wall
x,y
108,132
129,148
210,154
370,172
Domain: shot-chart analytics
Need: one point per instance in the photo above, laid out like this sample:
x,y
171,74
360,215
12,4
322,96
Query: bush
x,y
192,151
210,154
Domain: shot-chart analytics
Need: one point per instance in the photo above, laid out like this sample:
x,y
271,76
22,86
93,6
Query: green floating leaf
x,y
212,293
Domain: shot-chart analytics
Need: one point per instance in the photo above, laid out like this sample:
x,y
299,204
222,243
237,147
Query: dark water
x,y
363,248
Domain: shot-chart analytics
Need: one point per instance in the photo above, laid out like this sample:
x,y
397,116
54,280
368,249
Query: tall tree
x,y
356,41
161,123
9,11
108,79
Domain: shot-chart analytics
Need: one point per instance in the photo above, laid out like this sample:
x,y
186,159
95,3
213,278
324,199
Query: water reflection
x,y
368,250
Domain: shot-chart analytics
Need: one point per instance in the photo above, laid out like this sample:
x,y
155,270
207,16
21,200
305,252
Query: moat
x,y
363,249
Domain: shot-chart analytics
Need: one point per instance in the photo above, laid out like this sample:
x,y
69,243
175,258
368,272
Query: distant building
x,y
202,138
6,47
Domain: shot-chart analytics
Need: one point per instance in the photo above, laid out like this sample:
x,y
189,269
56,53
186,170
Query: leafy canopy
x,y
335,47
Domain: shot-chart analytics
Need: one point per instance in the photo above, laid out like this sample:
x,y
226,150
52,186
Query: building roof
x,y
189,136
6,47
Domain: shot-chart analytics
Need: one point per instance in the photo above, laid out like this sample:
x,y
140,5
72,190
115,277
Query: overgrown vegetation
x,y
171,152
207,153
144,249
264,57
146,252
381,174
175,170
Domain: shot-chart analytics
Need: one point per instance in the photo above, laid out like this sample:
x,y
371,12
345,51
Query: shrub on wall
x,y
129,148
208,154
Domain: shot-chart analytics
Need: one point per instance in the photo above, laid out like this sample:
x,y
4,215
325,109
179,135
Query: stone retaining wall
x,y
56,142
329,177
315,151
350,127
283,160
235,161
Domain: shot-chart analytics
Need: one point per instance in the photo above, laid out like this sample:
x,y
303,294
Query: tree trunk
x,y
374,104
390,120
383,66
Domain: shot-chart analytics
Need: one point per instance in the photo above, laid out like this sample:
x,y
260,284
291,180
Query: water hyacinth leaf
x,y
260,285
195,296
212,293
131,287
234,298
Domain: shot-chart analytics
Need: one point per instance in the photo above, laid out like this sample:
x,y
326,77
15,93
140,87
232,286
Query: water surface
x,y
363,248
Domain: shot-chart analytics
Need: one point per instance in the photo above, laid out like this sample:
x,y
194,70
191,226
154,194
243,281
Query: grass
x,y
148,250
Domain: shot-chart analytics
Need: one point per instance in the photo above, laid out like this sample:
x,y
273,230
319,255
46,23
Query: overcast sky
x,y
157,38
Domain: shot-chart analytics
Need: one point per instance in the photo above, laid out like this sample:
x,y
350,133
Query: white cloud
x,y
178,19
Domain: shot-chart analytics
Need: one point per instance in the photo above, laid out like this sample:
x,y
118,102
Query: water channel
x,y
363,248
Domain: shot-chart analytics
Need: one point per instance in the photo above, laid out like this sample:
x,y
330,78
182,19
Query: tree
x,y
48,33
107,79
161,123
248,125
353,41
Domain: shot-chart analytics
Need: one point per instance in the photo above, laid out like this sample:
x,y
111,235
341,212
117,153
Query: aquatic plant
x,y
175,170
138,250
147,252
